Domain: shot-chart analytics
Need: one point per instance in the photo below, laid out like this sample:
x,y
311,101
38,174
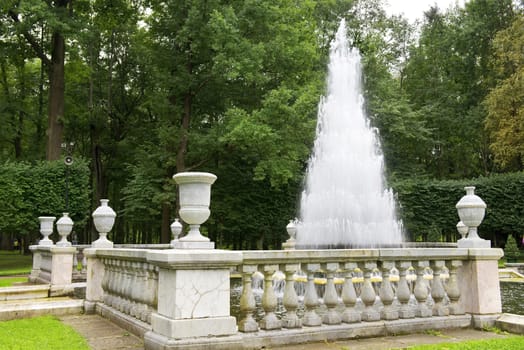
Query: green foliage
x,y
505,103
511,250
45,333
428,205
32,190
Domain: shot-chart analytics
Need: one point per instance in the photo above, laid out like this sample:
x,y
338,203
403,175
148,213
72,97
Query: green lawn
x,y
39,333
510,343
9,281
14,263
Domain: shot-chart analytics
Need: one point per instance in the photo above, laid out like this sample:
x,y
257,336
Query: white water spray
x,y
345,202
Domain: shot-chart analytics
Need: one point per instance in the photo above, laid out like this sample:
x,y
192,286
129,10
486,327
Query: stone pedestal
x,y
473,243
53,265
193,294
480,288
95,275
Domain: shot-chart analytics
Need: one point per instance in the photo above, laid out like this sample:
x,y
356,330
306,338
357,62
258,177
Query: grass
x,y
9,281
14,263
41,333
510,343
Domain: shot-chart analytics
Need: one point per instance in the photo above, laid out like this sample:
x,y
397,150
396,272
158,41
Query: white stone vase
x,y
104,219
195,197
462,229
291,229
46,229
176,229
64,226
471,209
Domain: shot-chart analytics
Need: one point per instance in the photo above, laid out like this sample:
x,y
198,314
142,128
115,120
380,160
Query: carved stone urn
x,y
462,230
46,229
471,209
104,219
64,226
176,229
194,190
291,229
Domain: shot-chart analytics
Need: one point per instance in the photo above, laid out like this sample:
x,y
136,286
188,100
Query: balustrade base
x,y
389,314
440,311
311,319
406,312
332,317
350,316
292,322
423,311
270,321
370,315
248,325
193,327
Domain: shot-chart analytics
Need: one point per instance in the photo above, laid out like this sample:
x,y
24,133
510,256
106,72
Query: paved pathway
x,y
102,334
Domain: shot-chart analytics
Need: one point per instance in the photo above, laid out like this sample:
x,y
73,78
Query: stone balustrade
x,y
181,297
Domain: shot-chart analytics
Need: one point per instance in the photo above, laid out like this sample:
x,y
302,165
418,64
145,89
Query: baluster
x,y
269,300
368,295
453,289
403,290
105,282
421,290
247,301
290,300
138,272
386,292
151,296
437,289
128,285
75,261
311,318
349,296
120,284
84,263
330,295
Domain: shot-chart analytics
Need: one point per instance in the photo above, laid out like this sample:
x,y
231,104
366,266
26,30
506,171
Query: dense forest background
x,y
141,89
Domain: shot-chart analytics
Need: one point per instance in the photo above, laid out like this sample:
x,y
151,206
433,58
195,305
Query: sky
x,y
414,9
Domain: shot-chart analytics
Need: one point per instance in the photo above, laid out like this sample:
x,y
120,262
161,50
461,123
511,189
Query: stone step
x,y
24,292
59,306
511,323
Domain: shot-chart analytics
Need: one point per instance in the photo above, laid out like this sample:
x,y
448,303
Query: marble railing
x,y
180,295
357,286
129,283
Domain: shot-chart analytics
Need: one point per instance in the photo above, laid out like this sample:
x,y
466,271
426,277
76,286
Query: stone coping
x,y
209,258
52,249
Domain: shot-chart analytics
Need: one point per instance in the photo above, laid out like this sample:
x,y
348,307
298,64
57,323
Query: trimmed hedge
x,y
428,206
28,191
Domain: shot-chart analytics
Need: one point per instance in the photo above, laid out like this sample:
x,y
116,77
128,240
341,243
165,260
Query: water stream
x,y
345,202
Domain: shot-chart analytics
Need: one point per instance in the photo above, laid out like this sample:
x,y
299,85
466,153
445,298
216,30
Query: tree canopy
x,y
148,88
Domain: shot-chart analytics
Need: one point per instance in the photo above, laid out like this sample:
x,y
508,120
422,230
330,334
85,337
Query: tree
x,y
447,78
27,20
505,103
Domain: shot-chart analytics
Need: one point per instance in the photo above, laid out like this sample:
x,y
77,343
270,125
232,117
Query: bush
x,y
426,204
511,251
30,190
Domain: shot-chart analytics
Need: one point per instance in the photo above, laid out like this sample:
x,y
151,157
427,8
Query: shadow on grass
x,y
14,263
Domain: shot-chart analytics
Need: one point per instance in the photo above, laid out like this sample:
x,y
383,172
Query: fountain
x,y
345,202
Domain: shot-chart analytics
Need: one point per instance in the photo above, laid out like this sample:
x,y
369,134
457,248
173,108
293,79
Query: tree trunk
x,y
56,98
